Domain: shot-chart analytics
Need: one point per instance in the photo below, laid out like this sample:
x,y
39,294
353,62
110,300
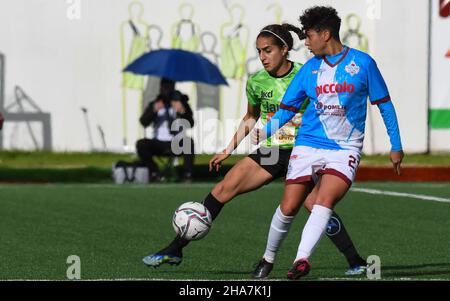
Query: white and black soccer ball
x,y
192,221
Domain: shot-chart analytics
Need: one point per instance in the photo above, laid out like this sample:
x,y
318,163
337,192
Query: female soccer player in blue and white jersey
x,y
337,80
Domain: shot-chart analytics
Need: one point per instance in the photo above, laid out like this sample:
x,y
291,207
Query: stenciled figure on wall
x,y
185,33
353,37
234,41
155,36
133,43
234,35
208,96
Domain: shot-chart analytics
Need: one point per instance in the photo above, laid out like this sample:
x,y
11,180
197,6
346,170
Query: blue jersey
x,y
338,87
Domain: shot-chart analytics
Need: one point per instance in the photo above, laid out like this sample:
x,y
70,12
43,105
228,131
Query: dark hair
x,y
167,81
277,31
167,87
320,18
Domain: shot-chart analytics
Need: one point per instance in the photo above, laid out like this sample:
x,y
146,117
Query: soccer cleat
x,y
155,260
301,268
262,270
356,270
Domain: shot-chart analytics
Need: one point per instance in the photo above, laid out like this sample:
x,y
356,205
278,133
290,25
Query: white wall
x,y
66,64
400,49
440,76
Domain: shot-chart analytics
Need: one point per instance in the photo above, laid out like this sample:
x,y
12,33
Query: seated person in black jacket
x,y
166,112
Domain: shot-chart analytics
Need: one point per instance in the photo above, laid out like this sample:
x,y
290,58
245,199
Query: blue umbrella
x,y
177,65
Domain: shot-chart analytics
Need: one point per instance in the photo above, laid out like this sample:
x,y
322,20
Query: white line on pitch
x,y
401,194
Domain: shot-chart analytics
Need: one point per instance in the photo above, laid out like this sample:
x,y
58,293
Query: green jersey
x,y
266,91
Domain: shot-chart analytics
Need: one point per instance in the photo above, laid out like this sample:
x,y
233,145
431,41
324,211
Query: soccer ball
x,y
192,221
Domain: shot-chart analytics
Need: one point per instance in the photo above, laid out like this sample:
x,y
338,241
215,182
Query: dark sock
x,y
177,245
213,205
340,238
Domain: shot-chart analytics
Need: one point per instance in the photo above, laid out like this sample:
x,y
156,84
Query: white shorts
x,y
307,163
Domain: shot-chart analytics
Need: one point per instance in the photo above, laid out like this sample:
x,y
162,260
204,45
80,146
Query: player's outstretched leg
x,y
173,253
246,175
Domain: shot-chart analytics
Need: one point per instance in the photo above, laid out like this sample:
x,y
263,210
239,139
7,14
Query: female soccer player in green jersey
x,y
265,90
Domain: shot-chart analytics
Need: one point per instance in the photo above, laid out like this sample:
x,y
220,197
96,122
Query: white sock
x,y
313,231
278,230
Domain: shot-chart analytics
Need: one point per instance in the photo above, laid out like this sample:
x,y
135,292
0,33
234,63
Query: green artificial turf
x,y
111,228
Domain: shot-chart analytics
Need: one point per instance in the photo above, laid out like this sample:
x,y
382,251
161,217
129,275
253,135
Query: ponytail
x,y
281,34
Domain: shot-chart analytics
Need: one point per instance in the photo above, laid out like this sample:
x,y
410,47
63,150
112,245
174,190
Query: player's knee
x,y
325,202
308,204
218,189
289,209
224,191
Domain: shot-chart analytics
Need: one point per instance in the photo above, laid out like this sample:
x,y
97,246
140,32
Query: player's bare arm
x,y
247,124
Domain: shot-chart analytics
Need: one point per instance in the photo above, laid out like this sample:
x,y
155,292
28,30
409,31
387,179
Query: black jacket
x,y
149,116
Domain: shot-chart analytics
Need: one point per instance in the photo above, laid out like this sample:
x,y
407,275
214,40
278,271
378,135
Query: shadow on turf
x,y
416,270
243,273
205,272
